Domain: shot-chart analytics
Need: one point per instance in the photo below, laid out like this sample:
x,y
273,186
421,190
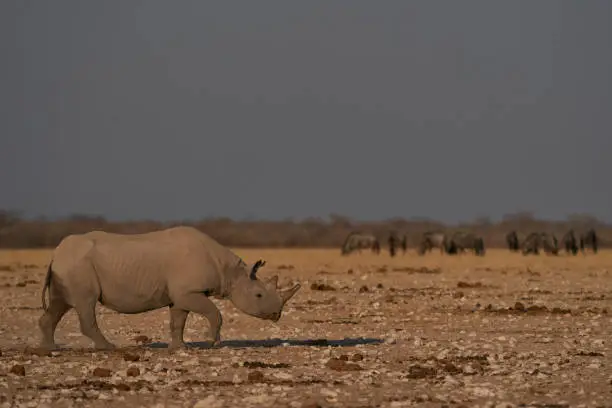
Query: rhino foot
x,y
177,346
105,347
47,346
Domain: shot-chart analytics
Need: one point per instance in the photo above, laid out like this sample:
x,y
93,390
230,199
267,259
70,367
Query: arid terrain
x,y
364,330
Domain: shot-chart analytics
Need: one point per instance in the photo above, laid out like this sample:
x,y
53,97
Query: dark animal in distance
x,y
433,239
540,240
356,241
589,238
512,241
392,243
569,242
462,241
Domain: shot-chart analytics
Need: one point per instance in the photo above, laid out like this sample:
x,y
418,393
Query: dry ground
x,y
428,331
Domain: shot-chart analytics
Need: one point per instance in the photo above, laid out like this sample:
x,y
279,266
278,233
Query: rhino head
x,y
259,298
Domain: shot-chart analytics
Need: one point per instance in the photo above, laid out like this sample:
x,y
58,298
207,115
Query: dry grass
x,y
435,339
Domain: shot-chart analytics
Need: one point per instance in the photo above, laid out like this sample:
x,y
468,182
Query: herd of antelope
x,y
459,242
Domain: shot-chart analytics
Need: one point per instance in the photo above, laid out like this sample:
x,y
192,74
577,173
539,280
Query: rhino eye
x,y
258,295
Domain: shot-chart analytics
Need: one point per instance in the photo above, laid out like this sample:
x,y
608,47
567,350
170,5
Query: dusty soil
x,y
364,330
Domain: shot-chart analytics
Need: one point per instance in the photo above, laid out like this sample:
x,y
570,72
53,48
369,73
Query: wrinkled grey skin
x,y
462,241
356,241
569,242
540,240
433,239
178,268
512,241
589,238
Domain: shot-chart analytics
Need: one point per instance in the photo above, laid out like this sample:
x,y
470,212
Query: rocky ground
x,y
364,331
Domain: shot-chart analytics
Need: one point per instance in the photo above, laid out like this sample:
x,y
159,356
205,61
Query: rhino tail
x,y
46,286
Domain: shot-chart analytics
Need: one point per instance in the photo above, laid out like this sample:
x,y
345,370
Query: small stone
x,y
357,357
131,357
123,387
337,364
18,369
311,404
101,372
133,372
255,376
142,339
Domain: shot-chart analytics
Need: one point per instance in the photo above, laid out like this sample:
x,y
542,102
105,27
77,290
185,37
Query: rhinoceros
x,y
178,268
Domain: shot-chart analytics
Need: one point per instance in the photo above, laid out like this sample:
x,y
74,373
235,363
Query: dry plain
x,y
364,331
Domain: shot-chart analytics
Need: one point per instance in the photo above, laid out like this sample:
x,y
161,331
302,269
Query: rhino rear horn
x,y
256,266
272,283
287,294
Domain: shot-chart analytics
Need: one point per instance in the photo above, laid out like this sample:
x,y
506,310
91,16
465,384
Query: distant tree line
x,y
20,232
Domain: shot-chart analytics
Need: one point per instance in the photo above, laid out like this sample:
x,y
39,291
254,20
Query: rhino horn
x,y
287,294
256,266
272,283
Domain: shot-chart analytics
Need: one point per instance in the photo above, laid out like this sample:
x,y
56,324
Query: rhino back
x,y
141,272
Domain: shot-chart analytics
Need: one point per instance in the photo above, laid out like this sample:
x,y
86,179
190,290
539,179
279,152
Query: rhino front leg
x,y
199,303
178,317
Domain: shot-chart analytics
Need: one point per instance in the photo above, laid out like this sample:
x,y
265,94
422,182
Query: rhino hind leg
x,y
202,305
49,320
86,311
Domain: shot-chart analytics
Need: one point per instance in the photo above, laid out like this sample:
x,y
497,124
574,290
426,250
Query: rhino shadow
x,y
266,343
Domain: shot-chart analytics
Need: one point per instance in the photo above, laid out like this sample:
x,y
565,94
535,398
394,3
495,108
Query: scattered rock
x,y
341,365
123,387
133,372
321,287
131,357
256,376
18,369
101,372
462,284
357,357
142,339
363,289
418,371
259,364
37,352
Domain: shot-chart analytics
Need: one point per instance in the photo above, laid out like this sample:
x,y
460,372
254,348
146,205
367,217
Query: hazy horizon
x,y
273,110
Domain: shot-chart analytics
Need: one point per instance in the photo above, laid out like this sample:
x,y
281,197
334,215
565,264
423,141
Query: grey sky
x,y
272,109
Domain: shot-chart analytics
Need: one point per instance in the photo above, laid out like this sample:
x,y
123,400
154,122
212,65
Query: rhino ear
x,y
256,266
272,283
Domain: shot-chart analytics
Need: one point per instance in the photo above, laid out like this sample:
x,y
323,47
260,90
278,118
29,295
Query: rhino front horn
x,y
288,293
256,266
